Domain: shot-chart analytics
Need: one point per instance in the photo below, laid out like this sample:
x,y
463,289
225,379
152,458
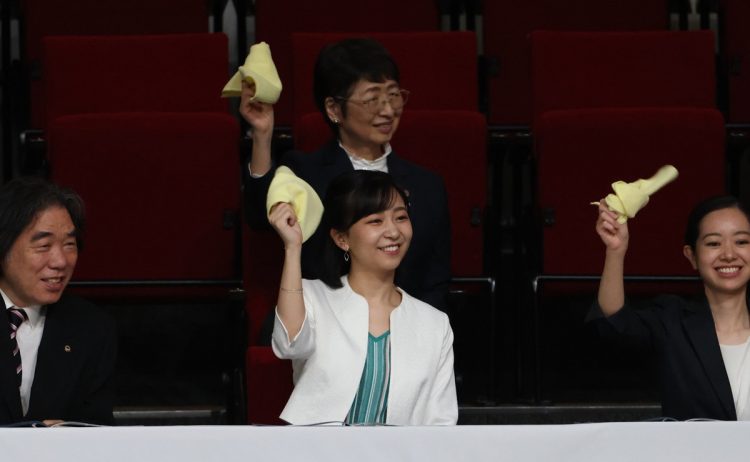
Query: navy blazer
x,y
425,271
694,381
75,366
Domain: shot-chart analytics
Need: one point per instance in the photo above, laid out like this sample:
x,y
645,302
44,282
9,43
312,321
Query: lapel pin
x,y
67,348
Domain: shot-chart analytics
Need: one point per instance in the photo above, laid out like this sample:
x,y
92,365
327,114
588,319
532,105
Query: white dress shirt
x,y
28,336
380,164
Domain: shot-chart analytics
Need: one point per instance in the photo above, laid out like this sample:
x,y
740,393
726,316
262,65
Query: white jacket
x,y
329,355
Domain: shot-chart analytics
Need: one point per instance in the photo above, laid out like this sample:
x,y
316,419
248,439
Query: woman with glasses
x,y
356,88
364,352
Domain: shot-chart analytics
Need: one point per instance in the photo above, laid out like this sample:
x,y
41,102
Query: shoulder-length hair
x,y
351,197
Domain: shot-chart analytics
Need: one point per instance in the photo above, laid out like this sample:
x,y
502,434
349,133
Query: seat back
x,y
162,73
439,68
277,20
156,168
622,69
508,23
42,18
161,192
581,152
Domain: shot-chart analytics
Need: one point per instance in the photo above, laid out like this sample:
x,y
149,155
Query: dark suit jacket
x,y
694,381
425,271
74,369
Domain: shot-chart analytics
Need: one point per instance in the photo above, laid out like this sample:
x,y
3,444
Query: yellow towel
x,y
288,187
629,198
258,69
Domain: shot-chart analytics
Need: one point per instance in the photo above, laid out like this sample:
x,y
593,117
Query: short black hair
x,y
342,64
350,197
705,207
23,199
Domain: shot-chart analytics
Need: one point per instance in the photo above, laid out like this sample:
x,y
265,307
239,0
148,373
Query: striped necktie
x,y
16,317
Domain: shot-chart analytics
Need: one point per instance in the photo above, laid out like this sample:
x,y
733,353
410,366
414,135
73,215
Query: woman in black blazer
x,y
702,346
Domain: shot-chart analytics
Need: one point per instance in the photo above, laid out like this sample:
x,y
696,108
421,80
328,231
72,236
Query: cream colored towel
x,y
629,198
260,70
288,187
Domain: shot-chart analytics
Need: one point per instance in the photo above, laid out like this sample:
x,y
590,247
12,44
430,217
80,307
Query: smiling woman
x,y
363,350
702,346
356,87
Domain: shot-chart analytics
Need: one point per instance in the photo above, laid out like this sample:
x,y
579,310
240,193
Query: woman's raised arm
x,y
615,236
290,304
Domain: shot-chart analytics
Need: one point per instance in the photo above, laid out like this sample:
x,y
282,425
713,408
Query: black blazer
x,y
694,381
75,365
425,271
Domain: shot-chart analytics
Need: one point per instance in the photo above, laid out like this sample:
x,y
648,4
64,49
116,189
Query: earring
x,y
346,255
335,120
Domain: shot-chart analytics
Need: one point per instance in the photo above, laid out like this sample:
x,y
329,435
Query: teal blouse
x,y
370,404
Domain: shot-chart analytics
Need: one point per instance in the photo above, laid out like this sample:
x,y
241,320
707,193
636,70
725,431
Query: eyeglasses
x,y
395,98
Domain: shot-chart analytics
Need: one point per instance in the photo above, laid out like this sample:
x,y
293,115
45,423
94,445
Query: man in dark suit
x,y
57,352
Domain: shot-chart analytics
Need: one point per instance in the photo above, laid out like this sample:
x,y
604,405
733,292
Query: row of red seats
x,y
506,25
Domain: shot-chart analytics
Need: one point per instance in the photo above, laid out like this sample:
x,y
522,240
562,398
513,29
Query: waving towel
x,y
288,187
629,198
260,70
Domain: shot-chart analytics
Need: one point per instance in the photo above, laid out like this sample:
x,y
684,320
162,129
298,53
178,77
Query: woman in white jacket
x,y
363,350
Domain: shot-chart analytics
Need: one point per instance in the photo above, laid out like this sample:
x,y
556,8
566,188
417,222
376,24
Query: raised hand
x,y
614,235
258,115
284,221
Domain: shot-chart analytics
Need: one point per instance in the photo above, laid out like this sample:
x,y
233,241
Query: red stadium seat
x,y
439,68
622,69
277,20
42,18
581,152
150,73
507,25
129,117
172,174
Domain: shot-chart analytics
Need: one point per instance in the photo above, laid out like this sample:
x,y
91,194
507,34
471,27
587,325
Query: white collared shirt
x,y
380,164
28,336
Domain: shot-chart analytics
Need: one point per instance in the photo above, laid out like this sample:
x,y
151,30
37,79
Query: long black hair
x,y
350,197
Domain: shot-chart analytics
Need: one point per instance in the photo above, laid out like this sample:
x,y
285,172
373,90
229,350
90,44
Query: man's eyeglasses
x,y
395,98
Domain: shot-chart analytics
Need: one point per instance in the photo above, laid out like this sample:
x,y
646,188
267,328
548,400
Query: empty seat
x,y
42,18
153,73
622,69
507,25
